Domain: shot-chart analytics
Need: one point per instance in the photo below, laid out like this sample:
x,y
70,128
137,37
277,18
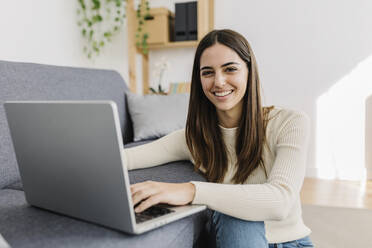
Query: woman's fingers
x,y
143,194
151,201
139,186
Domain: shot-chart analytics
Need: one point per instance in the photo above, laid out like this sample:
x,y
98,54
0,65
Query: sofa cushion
x,y
28,81
24,226
174,172
154,116
137,143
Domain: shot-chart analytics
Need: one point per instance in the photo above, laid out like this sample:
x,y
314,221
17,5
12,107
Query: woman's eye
x,y
230,69
206,73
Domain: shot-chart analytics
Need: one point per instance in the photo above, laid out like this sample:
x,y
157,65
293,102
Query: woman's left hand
x,y
152,193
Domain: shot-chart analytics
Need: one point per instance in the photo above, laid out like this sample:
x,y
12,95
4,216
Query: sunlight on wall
x,y
340,135
368,141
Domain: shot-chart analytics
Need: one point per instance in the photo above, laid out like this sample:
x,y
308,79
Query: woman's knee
x,y
233,232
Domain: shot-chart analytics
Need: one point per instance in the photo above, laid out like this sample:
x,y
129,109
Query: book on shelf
x,y
192,21
180,22
182,87
186,21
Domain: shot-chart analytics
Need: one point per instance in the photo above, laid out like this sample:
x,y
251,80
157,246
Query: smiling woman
x,y
252,156
230,88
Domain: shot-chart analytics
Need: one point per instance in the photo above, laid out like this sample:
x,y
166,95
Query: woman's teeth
x,y
225,93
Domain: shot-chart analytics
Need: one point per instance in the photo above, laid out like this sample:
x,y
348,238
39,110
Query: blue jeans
x,y
227,231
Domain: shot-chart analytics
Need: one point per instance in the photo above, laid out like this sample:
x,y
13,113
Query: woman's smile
x,y
221,94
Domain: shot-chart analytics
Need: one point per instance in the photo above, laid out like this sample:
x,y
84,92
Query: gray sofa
x,y
24,226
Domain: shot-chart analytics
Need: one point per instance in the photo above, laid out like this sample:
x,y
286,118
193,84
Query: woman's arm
x,y
171,147
272,200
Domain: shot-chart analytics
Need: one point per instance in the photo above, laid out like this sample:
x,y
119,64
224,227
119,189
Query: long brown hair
x,y
203,135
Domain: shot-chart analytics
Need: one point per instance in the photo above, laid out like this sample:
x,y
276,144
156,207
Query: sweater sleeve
x,y
171,147
271,200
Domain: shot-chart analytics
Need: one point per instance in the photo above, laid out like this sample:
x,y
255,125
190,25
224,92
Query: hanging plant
x,y
143,14
99,21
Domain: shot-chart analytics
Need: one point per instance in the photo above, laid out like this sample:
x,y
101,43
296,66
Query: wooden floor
x,y
337,193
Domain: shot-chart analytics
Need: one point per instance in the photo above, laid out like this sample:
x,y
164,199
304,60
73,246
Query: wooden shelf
x,y
175,44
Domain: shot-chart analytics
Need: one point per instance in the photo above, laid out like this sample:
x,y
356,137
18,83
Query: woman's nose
x,y
219,80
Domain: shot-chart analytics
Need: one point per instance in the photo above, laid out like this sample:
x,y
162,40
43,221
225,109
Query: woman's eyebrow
x,y
226,64
206,67
229,63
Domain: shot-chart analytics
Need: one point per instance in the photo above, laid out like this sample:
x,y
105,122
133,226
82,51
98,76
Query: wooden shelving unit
x,y
178,44
205,24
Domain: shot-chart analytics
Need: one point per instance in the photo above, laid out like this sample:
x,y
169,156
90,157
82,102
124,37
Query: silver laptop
x,y
71,161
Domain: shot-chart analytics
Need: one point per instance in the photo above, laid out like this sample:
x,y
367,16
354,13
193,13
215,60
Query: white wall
x,y
304,50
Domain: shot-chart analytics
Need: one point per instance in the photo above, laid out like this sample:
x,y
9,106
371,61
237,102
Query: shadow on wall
x,y
343,115
368,136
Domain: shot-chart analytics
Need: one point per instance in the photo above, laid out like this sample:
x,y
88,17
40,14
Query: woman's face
x,y
224,77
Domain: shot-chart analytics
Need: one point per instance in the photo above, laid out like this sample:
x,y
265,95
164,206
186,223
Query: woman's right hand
x,y
150,193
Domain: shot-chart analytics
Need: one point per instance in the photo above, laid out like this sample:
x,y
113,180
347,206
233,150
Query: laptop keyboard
x,y
152,212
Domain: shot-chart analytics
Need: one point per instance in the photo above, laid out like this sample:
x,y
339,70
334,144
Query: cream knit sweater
x,y
274,200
